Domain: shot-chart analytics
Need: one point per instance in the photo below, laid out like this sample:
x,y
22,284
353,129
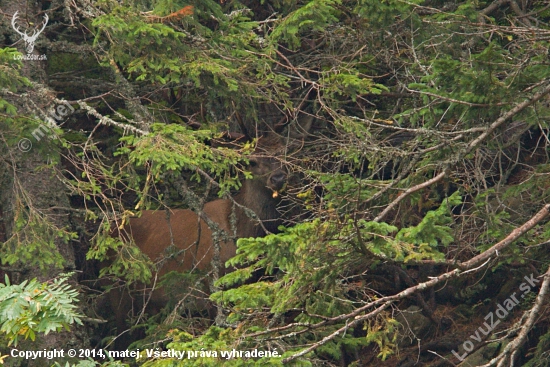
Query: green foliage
x,y
9,70
10,77
208,349
380,13
398,90
6,107
249,296
174,148
477,86
33,307
347,345
384,333
312,256
223,60
134,34
33,241
315,15
468,10
376,238
541,357
305,269
123,259
433,231
349,83
92,363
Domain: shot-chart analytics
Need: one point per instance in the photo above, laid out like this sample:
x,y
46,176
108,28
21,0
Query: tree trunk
x,y
29,184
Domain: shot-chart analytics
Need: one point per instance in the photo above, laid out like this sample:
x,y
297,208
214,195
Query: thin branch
x,y
494,6
343,329
104,120
409,191
514,111
453,100
532,314
470,147
514,235
383,302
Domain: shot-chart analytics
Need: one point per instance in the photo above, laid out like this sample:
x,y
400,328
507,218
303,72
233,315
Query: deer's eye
x,y
253,163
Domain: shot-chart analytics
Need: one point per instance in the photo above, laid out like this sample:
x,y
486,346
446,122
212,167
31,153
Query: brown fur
x,y
192,238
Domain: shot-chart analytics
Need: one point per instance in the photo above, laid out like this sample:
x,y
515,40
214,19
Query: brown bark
x,y
28,183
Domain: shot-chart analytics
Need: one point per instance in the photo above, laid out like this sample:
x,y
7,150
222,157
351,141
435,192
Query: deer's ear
x,y
297,131
301,126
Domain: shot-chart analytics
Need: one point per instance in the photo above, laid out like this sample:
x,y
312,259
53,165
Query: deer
x,y
198,239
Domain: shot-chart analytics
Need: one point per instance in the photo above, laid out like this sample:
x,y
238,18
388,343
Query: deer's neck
x,y
260,200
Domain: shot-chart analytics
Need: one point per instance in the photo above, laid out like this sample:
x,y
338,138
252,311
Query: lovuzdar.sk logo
x,y
30,39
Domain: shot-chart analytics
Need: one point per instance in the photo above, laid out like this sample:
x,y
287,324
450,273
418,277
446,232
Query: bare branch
x,y
104,120
384,302
514,235
407,193
512,348
514,111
